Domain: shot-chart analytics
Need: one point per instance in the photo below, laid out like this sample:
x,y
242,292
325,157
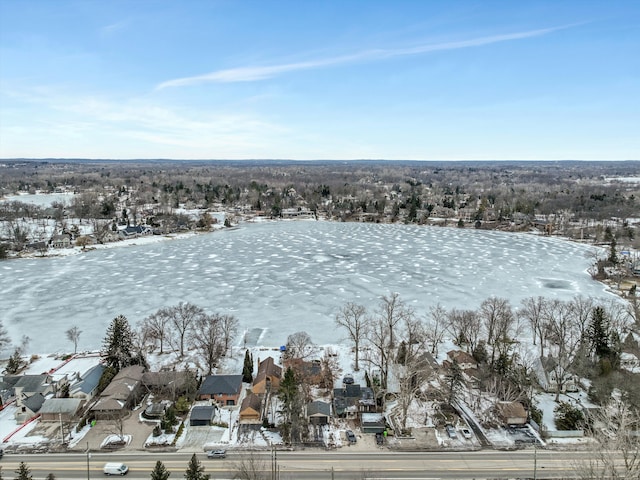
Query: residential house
x,y
61,241
27,385
630,362
135,231
268,377
352,399
28,406
372,423
251,409
465,360
87,387
319,412
124,391
224,389
59,409
512,413
309,371
202,415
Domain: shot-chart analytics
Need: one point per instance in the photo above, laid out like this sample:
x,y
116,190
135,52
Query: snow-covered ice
x,y
283,277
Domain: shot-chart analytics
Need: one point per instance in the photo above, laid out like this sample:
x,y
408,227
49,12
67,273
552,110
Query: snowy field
x,y
281,277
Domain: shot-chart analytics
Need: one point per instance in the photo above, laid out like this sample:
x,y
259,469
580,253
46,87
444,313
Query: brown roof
x,y
511,410
267,368
461,357
251,401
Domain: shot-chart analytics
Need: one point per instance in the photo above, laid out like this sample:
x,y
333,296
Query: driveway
x,y
131,425
198,439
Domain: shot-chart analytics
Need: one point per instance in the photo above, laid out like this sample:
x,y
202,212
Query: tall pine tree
x,y
247,369
117,349
195,470
24,472
160,472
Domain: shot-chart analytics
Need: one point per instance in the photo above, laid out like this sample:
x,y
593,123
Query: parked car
x,y
216,454
347,380
115,469
379,438
451,431
351,437
466,433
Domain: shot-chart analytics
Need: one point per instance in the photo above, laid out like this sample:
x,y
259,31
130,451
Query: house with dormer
x,y
268,377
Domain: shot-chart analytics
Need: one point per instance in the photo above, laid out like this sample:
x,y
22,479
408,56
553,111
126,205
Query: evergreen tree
x,y
51,476
247,375
455,380
598,333
160,472
291,407
195,471
15,363
24,472
117,349
568,417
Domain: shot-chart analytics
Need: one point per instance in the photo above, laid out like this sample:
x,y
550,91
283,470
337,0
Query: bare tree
x,y
413,374
299,345
182,317
392,311
157,326
5,340
379,355
580,309
564,339
252,467
498,321
464,327
436,328
73,335
206,337
354,319
229,329
532,311
616,452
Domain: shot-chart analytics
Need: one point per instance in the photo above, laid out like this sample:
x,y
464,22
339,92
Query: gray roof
x,y
202,412
90,380
221,384
32,383
34,402
60,405
319,408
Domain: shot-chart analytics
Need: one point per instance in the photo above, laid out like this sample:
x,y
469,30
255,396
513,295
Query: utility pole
x,y
88,457
535,462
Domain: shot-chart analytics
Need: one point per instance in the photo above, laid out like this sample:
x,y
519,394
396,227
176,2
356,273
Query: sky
x,y
333,79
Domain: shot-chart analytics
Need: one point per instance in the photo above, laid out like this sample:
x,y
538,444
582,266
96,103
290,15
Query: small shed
x,y
372,423
512,413
319,412
201,415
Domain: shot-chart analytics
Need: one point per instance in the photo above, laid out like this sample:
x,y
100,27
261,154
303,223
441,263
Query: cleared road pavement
x,y
318,465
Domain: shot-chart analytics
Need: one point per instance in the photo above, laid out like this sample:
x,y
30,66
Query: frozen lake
x,y
284,277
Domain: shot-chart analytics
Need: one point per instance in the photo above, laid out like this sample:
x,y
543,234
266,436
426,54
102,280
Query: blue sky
x,y
347,79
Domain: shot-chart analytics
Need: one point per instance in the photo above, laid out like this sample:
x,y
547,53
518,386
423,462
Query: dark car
x,y
348,380
379,438
351,436
216,454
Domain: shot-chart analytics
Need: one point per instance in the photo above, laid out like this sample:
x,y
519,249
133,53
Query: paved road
x,y
318,465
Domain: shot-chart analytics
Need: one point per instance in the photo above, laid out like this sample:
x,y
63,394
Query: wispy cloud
x,y
114,27
251,74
